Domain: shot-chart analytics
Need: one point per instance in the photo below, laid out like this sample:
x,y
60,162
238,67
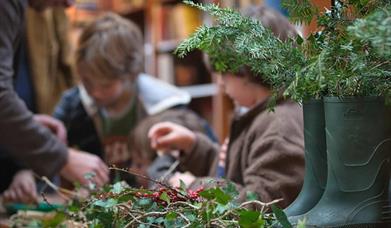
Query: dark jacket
x,y
265,154
25,140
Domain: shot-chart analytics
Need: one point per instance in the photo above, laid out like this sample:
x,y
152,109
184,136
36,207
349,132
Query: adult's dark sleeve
x,y
24,139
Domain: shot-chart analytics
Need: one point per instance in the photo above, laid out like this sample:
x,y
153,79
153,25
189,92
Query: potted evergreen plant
x,y
347,65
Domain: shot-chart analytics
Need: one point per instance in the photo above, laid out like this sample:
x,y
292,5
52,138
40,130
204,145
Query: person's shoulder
x,y
282,116
72,93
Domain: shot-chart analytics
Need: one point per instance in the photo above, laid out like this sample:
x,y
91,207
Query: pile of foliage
x,y
121,206
349,56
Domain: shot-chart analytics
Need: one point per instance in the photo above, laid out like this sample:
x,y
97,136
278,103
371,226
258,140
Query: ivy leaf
x,y
105,203
220,209
222,197
164,196
251,196
117,188
231,190
207,194
249,219
144,202
182,187
171,216
281,217
56,221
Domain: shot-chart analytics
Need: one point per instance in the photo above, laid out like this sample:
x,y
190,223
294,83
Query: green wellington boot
x,y
315,159
358,136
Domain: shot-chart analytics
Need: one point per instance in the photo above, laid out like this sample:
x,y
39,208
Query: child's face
x,y
238,89
105,92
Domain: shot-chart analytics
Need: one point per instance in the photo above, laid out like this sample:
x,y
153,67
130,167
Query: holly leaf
x,y
281,217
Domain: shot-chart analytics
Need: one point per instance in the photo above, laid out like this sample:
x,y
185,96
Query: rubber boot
x,y
315,159
358,137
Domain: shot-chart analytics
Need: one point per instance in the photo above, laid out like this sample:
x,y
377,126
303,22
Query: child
x,y
114,94
144,158
265,153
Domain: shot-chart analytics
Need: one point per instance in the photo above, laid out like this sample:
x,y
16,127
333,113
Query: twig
x,y
62,192
140,222
170,170
184,203
150,179
137,219
262,204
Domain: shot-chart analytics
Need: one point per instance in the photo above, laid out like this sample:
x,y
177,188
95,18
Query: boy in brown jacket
x,y
265,153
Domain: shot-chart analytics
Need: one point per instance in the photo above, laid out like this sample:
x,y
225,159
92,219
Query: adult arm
x,y
25,139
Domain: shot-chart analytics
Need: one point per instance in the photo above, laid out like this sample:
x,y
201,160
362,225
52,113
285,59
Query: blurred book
x,y
165,67
176,22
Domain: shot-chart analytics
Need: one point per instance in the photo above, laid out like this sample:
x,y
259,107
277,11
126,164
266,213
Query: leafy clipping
x,y
347,57
237,41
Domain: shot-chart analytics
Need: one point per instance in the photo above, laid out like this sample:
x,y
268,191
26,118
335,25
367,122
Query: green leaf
x,y
164,196
182,185
105,203
207,194
171,216
251,196
144,202
182,188
230,189
117,188
56,221
222,197
281,217
249,219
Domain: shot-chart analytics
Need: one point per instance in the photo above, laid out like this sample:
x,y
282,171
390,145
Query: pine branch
x,y
237,41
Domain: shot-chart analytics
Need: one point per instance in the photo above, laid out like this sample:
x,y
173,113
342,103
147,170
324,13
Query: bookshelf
x,y
171,21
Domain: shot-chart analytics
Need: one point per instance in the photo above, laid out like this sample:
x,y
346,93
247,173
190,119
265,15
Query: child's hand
x,y
187,178
167,136
22,189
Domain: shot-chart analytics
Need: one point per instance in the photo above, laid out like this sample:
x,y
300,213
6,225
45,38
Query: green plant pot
x,y
358,137
315,159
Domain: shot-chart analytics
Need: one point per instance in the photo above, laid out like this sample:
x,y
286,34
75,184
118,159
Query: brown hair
x,y
273,20
277,23
111,47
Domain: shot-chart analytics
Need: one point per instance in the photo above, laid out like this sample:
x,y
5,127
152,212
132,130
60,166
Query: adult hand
x,y
22,189
81,163
54,125
167,136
